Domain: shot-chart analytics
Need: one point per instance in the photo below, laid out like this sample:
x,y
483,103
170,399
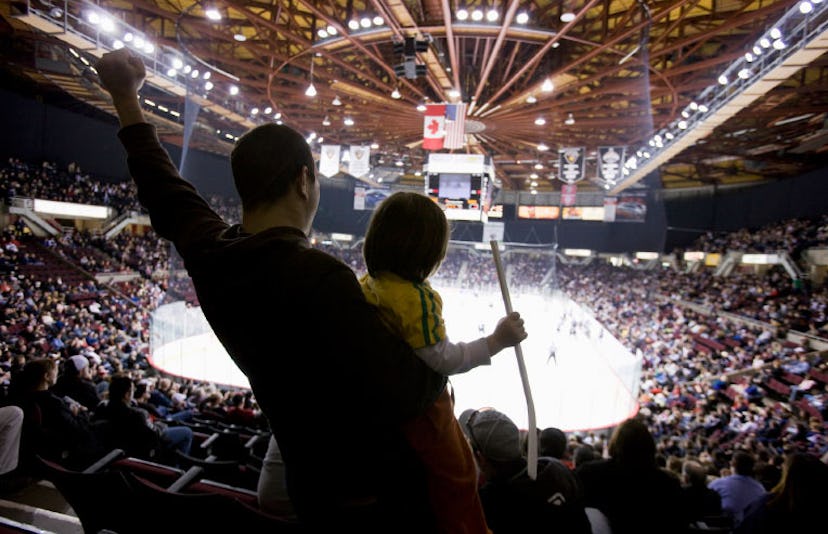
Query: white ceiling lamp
x,y
531,99
540,121
462,14
492,15
348,121
365,22
326,121
454,93
353,24
212,14
570,120
522,17
234,90
477,15
268,110
240,37
311,90
421,107
547,86
395,94
568,17
543,147
336,101
378,21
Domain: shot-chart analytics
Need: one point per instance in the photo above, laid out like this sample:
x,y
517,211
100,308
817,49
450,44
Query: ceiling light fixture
x,y
462,14
570,120
336,101
311,90
395,94
522,17
547,86
540,121
568,17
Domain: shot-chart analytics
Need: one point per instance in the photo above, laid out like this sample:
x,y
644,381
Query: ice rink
x,y
588,384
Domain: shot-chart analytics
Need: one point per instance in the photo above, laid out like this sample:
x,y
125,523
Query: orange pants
x,y
451,470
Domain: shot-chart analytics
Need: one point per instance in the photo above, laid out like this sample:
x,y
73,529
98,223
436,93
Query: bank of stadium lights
x,y
356,24
490,15
752,63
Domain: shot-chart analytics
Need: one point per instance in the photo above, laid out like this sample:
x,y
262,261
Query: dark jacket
x,y
129,428
553,502
635,501
325,371
82,391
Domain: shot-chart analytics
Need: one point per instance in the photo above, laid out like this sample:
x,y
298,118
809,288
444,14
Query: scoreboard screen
x,y
460,195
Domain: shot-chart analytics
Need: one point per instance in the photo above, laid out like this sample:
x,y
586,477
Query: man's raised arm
x,y
122,74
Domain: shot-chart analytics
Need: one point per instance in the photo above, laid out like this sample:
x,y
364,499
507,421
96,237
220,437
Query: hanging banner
x,y
434,126
359,163
572,164
568,193
610,159
329,160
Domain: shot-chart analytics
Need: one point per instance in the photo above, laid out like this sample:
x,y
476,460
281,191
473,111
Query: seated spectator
x,y
513,502
635,495
796,504
76,382
739,489
584,454
131,428
701,501
552,443
239,413
52,427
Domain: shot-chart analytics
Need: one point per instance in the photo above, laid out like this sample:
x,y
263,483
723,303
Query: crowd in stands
x,y
792,235
720,397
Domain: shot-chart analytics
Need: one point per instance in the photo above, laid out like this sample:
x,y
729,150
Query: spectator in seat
x,y
513,502
132,429
53,427
739,489
552,443
261,281
629,488
76,382
796,504
701,500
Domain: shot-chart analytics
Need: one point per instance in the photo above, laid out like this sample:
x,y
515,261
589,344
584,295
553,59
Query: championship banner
x,y
610,159
359,163
329,160
568,193
572,164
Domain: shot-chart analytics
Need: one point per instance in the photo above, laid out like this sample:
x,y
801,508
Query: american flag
x,y
455,126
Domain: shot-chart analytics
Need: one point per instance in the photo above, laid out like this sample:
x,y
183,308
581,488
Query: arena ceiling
x,y
620,71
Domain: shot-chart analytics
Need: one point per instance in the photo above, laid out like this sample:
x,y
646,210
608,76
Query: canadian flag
x,y
434,126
